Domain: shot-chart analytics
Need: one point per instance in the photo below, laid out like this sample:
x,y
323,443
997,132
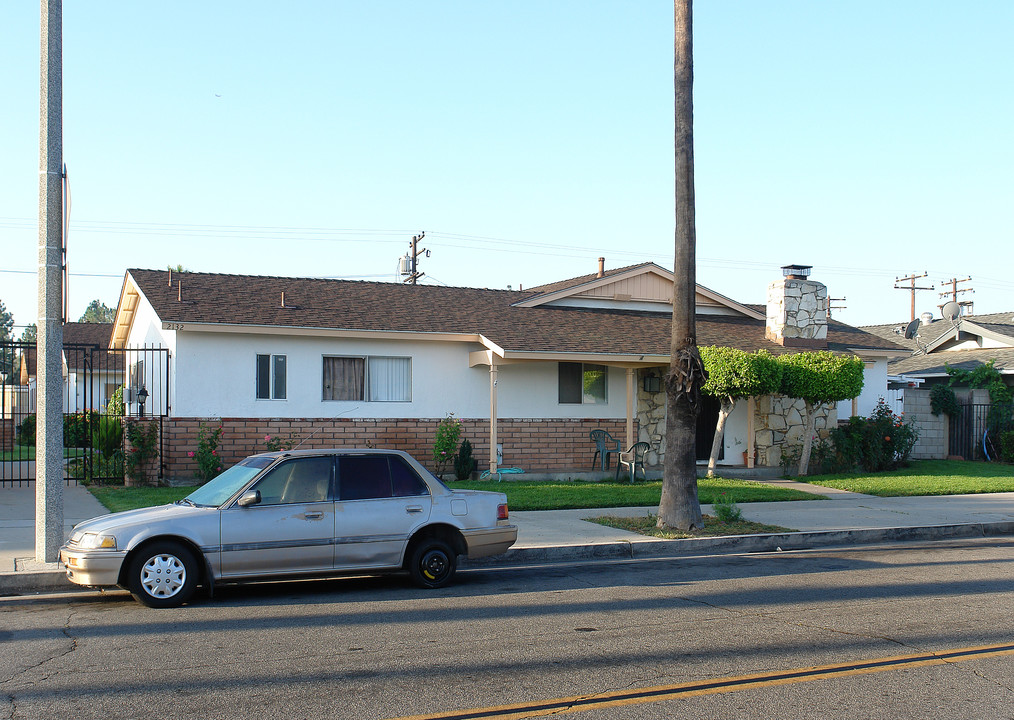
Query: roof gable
x,y
645,287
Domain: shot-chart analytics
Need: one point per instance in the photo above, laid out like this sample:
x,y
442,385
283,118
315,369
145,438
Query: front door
x,y
290,530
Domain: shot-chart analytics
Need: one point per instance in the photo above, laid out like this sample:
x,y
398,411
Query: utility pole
x,y
49,405
954,292
912,287
832,307
413,258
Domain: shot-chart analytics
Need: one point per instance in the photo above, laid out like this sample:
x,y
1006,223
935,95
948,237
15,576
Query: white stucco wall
x,y
215,375
874,388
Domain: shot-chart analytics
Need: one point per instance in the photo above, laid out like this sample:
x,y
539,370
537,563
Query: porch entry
x,y
93,435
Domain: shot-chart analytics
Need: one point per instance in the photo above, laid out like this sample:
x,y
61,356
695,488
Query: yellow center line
x,y
658,693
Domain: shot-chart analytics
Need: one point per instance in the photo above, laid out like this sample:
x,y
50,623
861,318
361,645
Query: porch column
x,y
631,395
751,408
492,416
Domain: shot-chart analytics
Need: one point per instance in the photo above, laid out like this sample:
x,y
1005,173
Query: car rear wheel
x,y
163,575
432,564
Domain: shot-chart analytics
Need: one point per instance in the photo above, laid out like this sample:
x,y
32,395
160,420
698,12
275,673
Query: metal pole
x,y
49,427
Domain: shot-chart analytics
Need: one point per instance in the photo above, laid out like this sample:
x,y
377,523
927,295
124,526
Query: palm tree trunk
x,y
680,506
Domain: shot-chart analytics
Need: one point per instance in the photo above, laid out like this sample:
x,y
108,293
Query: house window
x,y
369,379
270,377
583,383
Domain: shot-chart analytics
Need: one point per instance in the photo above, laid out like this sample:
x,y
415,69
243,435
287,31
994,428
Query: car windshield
x,y
216,491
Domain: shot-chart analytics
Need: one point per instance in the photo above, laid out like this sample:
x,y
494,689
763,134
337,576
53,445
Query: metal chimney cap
x,y
796,272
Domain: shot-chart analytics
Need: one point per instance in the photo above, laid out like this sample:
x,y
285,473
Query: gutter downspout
x,y
492,415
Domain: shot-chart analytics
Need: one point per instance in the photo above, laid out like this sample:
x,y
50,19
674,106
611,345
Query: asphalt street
x,y
903,631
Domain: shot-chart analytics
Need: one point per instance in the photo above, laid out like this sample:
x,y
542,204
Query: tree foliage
x,y
819,377
97,312
734,374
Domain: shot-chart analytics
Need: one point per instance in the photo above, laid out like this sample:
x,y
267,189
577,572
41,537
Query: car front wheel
x,y
163,575
432,564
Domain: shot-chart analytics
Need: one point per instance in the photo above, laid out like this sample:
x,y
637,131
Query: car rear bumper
x,y
490,541
92,568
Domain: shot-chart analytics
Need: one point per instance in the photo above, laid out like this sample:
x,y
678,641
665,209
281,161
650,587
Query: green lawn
x,y
534,495
117,498
27,452
524,495
926,477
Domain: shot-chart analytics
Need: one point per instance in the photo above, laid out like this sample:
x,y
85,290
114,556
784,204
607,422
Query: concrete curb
x,y
730,544
33,581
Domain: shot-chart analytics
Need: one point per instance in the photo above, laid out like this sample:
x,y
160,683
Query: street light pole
x,y
49,411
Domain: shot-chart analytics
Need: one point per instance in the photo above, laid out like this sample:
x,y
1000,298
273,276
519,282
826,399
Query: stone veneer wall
x,y
933,429
796,312
779,424
535,445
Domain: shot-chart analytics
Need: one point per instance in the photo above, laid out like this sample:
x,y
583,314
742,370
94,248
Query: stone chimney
x,y
797,310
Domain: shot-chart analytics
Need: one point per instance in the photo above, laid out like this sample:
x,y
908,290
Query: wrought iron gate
x,y
96,380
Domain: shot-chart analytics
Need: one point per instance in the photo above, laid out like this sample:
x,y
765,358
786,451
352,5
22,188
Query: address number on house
x,y
172,326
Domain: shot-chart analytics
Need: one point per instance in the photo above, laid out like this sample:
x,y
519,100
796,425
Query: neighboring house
x,y
529,372
968,342
90,374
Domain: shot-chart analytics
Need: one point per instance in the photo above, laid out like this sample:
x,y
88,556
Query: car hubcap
x,y
163,576
434,565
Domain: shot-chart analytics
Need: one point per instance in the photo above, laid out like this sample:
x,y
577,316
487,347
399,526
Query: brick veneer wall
x,y
7,434
534,445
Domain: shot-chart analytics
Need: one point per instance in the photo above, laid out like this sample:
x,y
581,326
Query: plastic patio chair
x,y
604,444
633,459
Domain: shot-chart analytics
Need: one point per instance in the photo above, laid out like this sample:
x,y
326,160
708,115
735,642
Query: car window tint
x,y
299,480
404,480
362,477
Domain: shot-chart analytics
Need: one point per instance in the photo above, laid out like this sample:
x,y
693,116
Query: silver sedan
x,y
292,514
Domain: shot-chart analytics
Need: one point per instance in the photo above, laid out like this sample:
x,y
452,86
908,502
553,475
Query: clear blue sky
x,y
527,138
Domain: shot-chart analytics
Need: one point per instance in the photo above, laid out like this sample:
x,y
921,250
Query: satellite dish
x,y
951,311
912,330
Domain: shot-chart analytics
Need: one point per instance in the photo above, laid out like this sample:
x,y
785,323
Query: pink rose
x,y
190,454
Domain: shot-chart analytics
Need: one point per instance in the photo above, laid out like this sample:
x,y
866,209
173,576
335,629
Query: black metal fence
x,y
975,430
100,388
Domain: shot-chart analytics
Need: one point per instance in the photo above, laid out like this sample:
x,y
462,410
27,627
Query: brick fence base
x,y
534,445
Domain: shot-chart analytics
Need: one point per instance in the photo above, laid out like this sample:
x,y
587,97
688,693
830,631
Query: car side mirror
x,y
250,497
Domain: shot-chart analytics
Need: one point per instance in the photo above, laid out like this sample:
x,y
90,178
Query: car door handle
x,y
414,509
313,515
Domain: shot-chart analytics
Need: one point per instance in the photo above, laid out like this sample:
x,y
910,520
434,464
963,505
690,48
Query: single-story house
x,y
966,342
529,373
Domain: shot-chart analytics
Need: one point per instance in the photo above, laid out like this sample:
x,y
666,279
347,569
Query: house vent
x,y
602,267
926,318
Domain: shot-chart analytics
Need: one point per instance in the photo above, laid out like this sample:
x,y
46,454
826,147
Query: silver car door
x,y
382,502
291,528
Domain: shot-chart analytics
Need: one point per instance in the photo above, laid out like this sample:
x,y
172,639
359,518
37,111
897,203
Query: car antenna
x,y
321,428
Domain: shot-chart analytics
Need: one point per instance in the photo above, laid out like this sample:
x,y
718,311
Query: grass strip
x,y
578,494
925,477
117,498
713,527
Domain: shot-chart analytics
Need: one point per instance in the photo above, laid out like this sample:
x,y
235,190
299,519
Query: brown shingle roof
x,y
390,307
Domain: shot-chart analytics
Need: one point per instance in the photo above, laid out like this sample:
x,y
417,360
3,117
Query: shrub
x,y
275,443
25,435
107,435
943,400
445,443
209,464
726,509
464,463
882,441
1007,446
143,439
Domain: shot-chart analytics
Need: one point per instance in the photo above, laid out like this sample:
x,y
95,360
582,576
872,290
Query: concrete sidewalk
x,y
842,518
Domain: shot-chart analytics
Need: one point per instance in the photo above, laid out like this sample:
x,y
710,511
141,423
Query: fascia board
x,y
878,353
126,308
319,332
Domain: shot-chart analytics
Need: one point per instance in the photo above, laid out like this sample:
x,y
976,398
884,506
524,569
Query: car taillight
x,y
501,511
